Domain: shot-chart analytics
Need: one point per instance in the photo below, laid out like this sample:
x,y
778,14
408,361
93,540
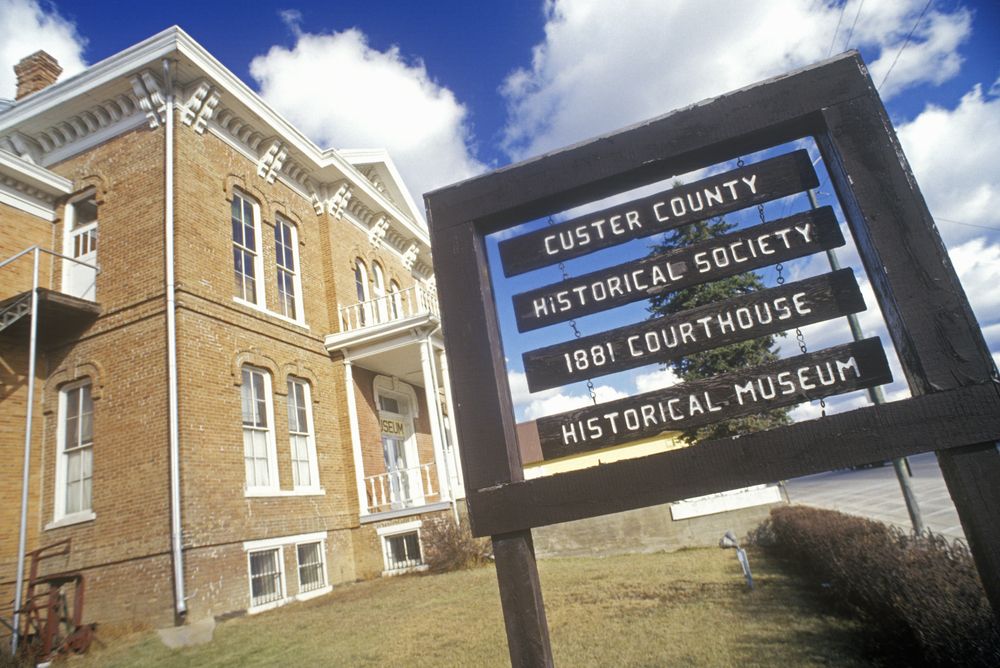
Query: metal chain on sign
x,y
799,336
572,323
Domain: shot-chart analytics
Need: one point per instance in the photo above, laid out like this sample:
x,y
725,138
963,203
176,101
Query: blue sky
x,y
452,89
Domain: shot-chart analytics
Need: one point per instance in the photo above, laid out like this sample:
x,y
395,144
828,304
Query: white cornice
x,y
62,119
32,176
30,188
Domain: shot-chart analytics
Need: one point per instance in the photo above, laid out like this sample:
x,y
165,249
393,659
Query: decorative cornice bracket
x,y
378,231
271,160
410,256
150,96
200,107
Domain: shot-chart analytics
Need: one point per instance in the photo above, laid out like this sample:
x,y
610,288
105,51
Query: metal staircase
x,y
11,313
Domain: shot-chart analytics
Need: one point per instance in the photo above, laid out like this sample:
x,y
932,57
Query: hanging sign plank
x,y
844,368
717,195
669,337
752,248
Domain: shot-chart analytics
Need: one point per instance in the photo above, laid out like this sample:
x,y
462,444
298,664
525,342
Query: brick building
x,y
239,396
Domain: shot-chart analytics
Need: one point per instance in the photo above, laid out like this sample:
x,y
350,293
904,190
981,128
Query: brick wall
x,y
20,231
125,550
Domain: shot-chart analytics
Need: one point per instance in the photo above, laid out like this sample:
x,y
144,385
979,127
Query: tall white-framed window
x,y
378,293
312,566
80,243
75,454
259,453
247,262
305,470
361,284
395,300
287,261
266,576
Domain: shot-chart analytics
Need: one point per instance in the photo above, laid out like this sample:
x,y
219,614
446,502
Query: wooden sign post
x,y
955,408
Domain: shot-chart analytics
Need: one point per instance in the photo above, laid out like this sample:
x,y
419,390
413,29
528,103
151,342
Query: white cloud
x,y
955,163
602,67
656,380
26,26
343,94
528,406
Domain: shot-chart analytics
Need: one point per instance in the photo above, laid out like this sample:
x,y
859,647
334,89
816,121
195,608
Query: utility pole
x,y
875,394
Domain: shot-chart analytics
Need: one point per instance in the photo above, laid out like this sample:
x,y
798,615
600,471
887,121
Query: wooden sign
x,y
844,368
717,195
748,249
670,337
955,405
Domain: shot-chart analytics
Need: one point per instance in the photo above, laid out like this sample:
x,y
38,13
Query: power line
x,y
847,44
956,222
907,41
834,40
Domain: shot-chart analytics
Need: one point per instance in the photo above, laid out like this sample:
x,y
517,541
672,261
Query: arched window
x,y
305,473
246,256
361,281
395,300
378,293
286,259
75,453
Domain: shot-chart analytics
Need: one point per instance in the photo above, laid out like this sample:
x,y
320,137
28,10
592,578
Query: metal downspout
x,y
180,600
23,530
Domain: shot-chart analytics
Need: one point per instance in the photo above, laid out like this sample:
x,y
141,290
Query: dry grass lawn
x,y
690,608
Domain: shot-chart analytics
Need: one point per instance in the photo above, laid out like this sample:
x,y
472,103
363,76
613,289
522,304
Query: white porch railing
x,y
393,306
404,488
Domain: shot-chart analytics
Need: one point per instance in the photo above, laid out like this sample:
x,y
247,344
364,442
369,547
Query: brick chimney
x,y
36,72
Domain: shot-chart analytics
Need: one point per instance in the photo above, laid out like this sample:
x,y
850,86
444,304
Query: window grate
x,y
310,566
265,577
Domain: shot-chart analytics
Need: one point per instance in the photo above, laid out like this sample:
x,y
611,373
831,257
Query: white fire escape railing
x,y
36,252
404,488
393,306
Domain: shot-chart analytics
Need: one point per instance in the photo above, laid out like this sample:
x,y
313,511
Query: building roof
x,y
128,89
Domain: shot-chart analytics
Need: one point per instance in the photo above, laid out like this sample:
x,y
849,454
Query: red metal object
x,y
48,618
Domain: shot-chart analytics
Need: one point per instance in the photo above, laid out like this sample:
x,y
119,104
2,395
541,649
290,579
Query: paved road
x,y
875,493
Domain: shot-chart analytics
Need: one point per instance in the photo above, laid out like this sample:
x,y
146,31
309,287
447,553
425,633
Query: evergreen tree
x,y
726,358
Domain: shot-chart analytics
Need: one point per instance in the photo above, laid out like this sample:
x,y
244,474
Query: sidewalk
x,y
875,493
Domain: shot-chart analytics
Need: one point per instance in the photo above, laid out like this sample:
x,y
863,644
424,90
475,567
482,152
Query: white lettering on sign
x,y
702,329
666,412
658,275
584,234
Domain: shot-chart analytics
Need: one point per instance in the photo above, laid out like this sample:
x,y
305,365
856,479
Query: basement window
x,y
265,577
311,571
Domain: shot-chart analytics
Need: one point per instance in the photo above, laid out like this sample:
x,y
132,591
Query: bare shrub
x,y
449,547
920,597
760,536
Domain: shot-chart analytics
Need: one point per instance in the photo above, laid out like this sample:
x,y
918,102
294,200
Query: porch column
x,y
430,389
450,404
359,462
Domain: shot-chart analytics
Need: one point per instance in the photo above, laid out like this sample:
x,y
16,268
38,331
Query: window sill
x,y
271,492
313,593
69,520
258,307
